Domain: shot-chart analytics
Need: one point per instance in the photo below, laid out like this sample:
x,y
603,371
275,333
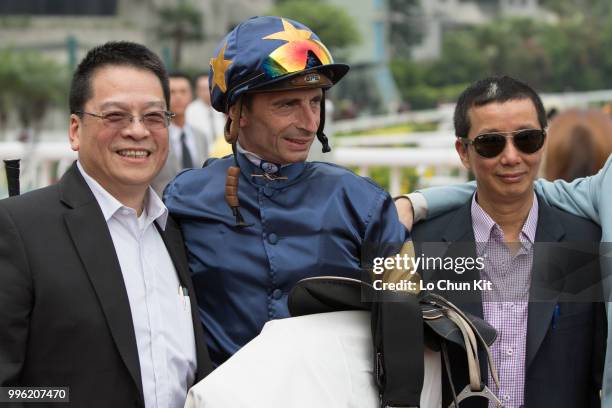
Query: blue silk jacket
x,y
321,220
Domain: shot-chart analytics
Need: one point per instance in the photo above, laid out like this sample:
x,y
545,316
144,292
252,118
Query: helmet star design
x,y
218,66
263,51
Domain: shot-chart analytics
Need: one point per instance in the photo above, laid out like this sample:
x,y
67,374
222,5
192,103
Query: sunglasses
x,y
492,144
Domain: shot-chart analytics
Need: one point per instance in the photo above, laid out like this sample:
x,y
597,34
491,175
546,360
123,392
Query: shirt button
x,y
268,191
272,238
277,294
507,397
509,352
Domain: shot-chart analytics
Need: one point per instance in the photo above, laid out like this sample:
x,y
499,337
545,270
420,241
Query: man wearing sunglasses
x,y
500,132
258,221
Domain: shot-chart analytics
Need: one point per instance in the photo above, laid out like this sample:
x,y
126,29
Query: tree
x,y
513,46
333,25
575,57
31,84
593,11
564,55
550,57
5,97
405,26
181,23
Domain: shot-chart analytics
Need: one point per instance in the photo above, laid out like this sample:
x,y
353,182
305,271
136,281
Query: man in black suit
x,y
95,292
543,297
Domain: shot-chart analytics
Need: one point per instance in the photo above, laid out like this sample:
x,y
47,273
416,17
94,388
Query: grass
x,y
390,130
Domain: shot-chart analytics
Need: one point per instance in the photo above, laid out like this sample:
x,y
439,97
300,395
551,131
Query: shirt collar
x,y
253,157
288,173
531,223
175,131
483,224
154,207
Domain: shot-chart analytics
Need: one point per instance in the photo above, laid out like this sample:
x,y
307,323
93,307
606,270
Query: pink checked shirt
x,y
506,306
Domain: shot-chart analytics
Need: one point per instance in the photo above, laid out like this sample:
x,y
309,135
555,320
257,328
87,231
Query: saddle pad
x,y
321,360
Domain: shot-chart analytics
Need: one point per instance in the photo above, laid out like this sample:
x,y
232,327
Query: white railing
x,y
434,166
444,114
576,99
41,163
441,114
437,139
433,156
46,161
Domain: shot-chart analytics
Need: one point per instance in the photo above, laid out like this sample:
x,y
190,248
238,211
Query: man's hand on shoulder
x,y
404,211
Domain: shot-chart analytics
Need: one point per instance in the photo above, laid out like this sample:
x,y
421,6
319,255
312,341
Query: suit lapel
x,y
174,243
546,282
93,242
459,238
545,270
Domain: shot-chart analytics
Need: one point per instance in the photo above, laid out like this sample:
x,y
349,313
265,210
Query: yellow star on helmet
x,y
289,33
219,66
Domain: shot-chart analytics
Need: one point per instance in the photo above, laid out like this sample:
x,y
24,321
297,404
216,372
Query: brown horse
x,y
579,142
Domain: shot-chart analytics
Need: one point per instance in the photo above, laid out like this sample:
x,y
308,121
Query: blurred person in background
x,y
188,146
203,117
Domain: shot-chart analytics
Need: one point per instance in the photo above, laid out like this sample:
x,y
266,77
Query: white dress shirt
x,y
161,314
175,142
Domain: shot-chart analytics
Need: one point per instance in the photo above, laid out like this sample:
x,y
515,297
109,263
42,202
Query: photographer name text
x,y
441,285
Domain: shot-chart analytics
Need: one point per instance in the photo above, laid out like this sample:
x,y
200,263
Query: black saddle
x,y
402,324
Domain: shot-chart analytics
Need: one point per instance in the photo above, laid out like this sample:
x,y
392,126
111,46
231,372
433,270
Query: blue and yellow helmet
x,y
269,53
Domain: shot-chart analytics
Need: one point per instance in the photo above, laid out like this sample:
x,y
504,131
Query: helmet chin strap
x,y
320,135
232,125
231,191
230,131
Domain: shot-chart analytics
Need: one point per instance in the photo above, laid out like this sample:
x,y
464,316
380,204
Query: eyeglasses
x,y
492,144
120,120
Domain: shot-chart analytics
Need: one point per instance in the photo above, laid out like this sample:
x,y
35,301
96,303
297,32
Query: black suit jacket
x,y
564,358
65,317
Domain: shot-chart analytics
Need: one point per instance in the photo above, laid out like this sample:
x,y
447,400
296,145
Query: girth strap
x,y
397,327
